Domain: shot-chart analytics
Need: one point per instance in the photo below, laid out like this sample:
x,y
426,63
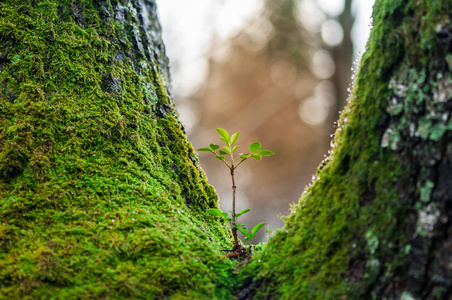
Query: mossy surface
x,y
101,195
369,224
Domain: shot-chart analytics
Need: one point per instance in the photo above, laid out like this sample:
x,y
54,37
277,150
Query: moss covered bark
x,y
376,221
101,195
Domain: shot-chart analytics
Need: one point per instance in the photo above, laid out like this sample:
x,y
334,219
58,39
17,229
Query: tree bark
x,y
376,221
101,195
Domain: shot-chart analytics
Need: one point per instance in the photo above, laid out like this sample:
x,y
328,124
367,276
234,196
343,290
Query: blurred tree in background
x,y
281,80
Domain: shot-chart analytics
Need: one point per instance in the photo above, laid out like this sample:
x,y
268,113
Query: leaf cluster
x,y
225,215
243,228
221,152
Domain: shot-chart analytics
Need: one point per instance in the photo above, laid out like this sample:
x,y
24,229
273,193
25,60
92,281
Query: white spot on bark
x,y
444,91
412,129
373,263
427,218
385,138
407,296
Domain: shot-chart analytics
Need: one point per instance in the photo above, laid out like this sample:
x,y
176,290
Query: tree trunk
x,y
376,221
101,195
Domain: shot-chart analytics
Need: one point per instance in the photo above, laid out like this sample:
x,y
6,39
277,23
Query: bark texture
x,y
101,195
376,221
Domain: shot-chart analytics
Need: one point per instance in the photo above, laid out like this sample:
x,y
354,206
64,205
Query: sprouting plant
x,y
228,151
248,235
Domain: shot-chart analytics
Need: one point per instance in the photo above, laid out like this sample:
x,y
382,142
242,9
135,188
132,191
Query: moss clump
x,y
354,230
101,195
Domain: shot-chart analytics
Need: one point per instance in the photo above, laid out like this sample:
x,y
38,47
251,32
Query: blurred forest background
x,y
279,72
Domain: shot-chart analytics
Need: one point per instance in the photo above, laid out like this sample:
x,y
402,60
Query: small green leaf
x,y
205,149
256,157
223,152
243,230
235,148
219,157
214,147
233,138
227,149
244,155
229,219
224,135
256,228
266,153
215,212
242,212
225,215
254,147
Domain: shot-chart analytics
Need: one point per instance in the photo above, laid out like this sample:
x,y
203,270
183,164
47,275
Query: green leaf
x,y
215,212
224,135
223,152
225,215
229,219
205,149
256,229
266,153
233,138
256,157
227,149
242,212
254,147
245,155
243,230
235,148
219,157
214,147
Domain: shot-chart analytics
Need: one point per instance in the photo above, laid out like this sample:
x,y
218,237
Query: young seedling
x,y
221,154
249,236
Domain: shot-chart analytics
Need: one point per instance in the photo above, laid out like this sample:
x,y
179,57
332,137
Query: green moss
x,y
348,234
101,195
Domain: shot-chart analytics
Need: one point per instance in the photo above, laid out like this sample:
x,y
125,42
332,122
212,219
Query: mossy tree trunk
x,y
101,195
376,223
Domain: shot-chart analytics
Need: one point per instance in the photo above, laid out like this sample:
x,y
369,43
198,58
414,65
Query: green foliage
x,y
247,235
242,212
224,135
229,149
217,212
